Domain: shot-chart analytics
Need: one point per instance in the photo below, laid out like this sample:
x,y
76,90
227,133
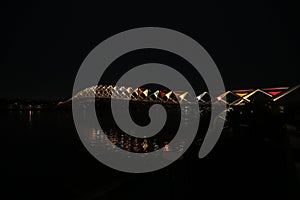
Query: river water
x,y
43,158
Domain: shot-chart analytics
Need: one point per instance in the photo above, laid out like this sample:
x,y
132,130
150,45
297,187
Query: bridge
x,y
230,98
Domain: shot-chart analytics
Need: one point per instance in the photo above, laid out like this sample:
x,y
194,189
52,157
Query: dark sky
x,y
43,45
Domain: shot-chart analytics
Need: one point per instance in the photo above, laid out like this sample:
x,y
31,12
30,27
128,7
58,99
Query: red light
x,y
274,93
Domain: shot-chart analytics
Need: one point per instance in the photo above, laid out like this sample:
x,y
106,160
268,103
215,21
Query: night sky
x,y
43,45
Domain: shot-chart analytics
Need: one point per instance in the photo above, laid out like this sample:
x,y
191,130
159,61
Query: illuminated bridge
x,y
230,98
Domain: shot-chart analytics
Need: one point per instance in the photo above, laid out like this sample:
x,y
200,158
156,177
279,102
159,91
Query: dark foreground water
x,y
43,158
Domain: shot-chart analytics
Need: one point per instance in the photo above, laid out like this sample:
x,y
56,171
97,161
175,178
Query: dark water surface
x,y
43,158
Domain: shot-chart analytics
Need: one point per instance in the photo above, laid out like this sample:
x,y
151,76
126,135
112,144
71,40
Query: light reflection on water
x,y
30,117
114,141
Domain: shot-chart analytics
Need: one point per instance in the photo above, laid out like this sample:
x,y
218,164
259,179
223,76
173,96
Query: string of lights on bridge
x,y
231,98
